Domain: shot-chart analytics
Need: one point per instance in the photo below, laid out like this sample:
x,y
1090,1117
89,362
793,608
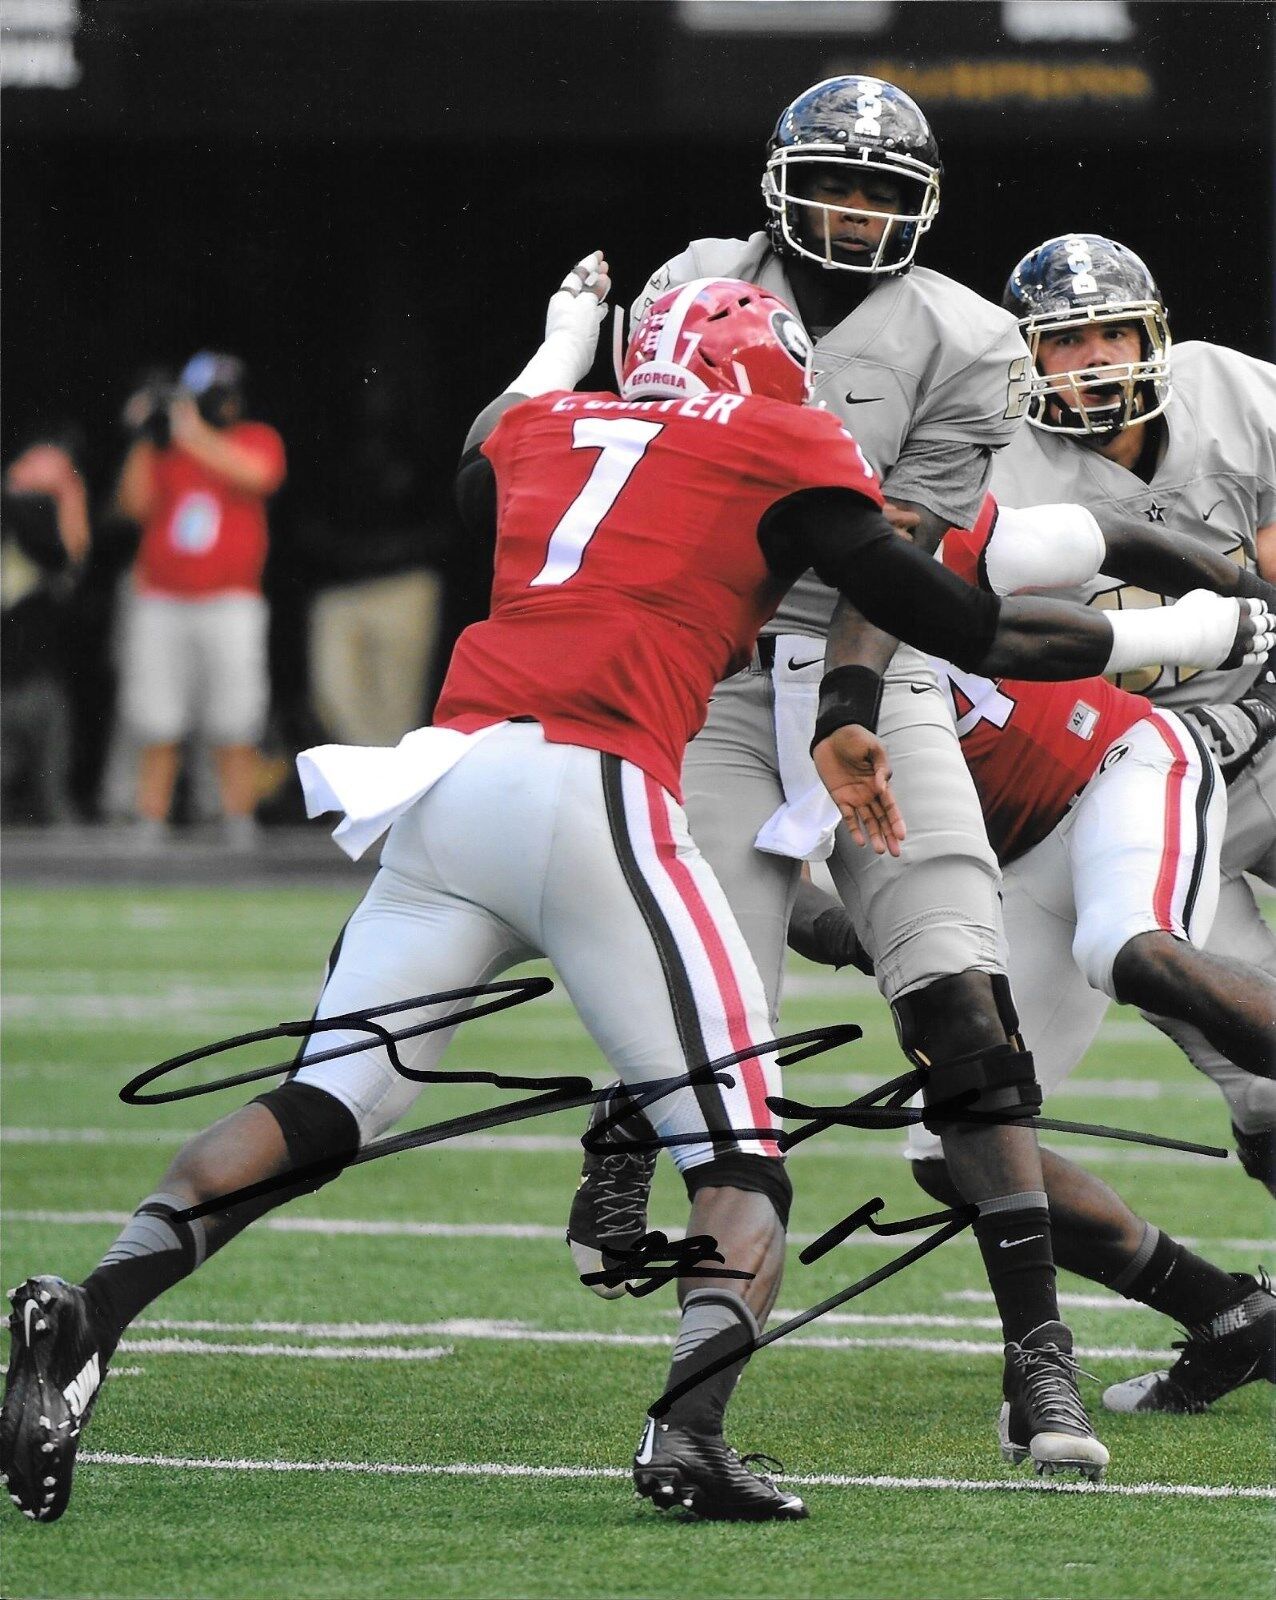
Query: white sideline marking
x,y
364,1227
829,1147
311,1352
521,1333
829,1480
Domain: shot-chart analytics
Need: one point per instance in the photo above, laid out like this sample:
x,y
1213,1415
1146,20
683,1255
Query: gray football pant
x,y
528,848
1240,931
926,915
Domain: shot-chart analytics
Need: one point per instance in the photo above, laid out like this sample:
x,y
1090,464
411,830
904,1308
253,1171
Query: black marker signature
x,y
644,1261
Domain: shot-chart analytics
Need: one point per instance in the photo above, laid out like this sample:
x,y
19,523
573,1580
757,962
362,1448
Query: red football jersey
x,y
1029,746
628,577
205,536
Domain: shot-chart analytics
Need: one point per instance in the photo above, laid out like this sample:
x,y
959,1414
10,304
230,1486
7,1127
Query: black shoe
x,y
702,1473
1235,1347
55,1374
609,1211
1042,1416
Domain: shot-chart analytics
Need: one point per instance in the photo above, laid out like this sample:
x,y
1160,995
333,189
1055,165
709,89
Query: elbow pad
x,y
1042,547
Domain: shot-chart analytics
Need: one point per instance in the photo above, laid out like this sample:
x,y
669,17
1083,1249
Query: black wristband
x,y
1249,586
847,695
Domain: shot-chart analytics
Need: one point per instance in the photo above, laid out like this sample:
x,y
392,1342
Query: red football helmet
x,y
718,335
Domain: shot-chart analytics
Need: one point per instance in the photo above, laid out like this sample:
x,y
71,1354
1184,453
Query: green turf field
x,y
397,1387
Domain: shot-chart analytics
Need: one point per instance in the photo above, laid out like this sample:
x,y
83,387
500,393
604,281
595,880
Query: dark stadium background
x,y
327,185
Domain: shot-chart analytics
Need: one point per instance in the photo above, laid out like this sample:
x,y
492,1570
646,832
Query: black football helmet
x,y
861,123
1073,282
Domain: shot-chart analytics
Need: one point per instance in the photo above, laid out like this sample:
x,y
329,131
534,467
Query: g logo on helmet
x,y
792,336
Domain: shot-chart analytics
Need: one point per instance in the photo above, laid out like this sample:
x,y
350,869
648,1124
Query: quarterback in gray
x,y
929,379
1182,438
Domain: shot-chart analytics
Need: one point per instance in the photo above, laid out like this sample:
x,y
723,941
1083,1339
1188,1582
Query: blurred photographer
x,y
44,542
196,480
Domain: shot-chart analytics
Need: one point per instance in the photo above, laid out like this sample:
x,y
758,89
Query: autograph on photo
x,y
655,1259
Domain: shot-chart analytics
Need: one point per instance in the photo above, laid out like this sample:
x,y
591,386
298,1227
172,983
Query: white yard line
x,y
829,1480
829,1146
296,1352
502,1331
1087,1302
370,1228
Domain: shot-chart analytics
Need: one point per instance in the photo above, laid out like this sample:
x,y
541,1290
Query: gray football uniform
x,y
1216,482
928,378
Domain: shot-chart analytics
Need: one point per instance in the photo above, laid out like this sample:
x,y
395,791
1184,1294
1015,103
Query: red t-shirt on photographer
x,y
204,536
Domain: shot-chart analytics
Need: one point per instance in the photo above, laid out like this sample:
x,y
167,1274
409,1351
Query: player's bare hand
x,y
854,768
901,520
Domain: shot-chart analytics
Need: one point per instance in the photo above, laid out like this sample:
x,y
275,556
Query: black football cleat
x,y
55,1375
699,1472
1235,1347
609,1210
1043,1417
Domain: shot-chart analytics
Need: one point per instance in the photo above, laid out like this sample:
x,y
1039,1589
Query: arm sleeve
x,y
900,590
476,494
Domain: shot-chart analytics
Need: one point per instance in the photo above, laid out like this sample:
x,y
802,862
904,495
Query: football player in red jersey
x,y
642,538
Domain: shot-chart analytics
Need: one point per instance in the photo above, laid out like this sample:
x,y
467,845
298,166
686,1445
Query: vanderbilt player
x,y
1182,439
928,377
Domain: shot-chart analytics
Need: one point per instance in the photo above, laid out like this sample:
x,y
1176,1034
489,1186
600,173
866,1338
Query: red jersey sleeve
x,y
963,549
818,451
267,446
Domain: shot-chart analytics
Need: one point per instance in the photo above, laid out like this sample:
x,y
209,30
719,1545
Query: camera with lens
x,y
155,424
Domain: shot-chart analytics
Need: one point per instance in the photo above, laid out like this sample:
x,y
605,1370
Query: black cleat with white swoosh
x,y
699,1472
55,1374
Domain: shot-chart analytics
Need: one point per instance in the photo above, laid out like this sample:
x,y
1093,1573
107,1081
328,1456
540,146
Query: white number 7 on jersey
x,y
623,442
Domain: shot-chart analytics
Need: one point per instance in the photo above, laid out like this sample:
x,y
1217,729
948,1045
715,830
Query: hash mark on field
x,y
375,1228
826,1480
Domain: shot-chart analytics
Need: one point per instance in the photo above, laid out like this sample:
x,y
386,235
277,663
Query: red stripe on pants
x,y
719,961
1163,899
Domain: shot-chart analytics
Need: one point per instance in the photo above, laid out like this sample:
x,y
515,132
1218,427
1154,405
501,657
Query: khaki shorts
x,y
192,666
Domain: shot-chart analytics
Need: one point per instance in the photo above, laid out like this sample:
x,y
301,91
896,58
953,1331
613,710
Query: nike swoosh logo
x,y
1206,515
919,688
28,1310
647,1444
1009,1244
862,399
796,666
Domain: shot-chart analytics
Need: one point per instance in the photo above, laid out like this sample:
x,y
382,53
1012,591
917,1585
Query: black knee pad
x,y
909,1011
316,1127
1006,1008
999,1082
735,1170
